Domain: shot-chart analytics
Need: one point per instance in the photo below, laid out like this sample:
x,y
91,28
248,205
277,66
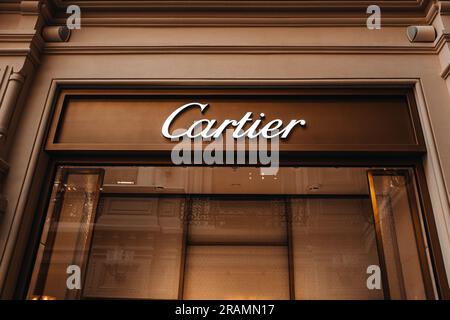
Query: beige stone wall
x,y
155,54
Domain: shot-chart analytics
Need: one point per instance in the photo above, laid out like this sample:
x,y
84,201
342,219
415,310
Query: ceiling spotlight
x,y
126,182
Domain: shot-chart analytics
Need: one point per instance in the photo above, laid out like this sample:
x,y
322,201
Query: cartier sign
x,y
210,128
317,121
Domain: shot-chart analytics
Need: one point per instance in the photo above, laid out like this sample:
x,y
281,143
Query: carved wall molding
x,y
58,48
444,7
263,5
443,46
5,74
30,7
224,13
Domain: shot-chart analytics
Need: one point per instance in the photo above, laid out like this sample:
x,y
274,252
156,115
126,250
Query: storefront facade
x,y
89,179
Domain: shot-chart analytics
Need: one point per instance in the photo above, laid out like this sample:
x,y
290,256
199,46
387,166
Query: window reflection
x,y
136,249
67,232
394,209
227,233
333,243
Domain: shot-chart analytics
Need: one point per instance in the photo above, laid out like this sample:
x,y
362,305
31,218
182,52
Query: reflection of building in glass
x,y
248,239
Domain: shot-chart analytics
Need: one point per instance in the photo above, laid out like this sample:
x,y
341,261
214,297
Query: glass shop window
x,y
129,232
237,248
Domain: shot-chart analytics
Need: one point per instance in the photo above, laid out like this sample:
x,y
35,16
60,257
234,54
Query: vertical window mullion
x,y
288,216
187,214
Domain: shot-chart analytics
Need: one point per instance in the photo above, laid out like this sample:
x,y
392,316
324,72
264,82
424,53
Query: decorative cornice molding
x,y
232,12
243,12
359,20
57,48
254,5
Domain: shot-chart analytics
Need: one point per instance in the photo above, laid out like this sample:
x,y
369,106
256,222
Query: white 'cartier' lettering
x,y
205,128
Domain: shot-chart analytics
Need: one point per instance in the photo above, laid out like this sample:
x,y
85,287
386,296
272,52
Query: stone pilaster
x,y
10,98
19,57
442,25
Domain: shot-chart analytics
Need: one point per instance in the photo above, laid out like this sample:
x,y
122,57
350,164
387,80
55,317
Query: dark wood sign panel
x,y
361,121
